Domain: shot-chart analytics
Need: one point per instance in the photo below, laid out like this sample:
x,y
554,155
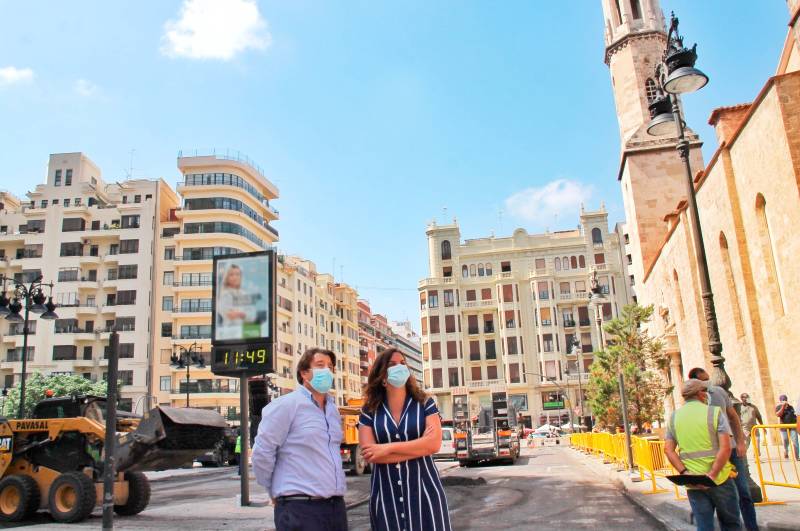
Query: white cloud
x,y
215,29
540,206
11,74
85,88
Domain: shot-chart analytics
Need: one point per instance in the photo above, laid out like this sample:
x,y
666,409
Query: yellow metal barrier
x,y
780,466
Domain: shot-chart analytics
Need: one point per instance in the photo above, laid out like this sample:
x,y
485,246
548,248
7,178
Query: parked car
x,y
448,448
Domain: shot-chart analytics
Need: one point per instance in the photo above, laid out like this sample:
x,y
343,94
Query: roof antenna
x,y
129,173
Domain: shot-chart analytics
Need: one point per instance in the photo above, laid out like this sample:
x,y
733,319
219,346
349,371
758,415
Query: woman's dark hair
x,y
308,356
375,390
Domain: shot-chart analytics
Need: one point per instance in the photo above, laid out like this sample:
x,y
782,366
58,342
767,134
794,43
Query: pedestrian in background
x,y
702,433
238,451
296,452
399,430
750,417
787,415
719,397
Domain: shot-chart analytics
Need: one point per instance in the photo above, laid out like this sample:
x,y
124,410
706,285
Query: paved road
x,y
547,488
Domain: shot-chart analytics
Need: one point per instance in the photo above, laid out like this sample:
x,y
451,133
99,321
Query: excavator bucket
x,y
169,437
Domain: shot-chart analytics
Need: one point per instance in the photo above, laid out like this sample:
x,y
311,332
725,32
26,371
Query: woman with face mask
x,y
399,430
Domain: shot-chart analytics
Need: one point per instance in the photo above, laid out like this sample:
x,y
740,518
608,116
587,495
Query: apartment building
x,y
409,343
374,336
500,314
223,207
94,240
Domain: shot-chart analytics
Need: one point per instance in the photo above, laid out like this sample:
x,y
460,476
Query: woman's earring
x,y
384,383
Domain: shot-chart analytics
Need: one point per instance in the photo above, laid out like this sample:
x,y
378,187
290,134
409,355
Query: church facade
x,y
748,197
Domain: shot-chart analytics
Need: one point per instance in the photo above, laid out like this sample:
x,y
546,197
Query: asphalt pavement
x,y
547,488
550,486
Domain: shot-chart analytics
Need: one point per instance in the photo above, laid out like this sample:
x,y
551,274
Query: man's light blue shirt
x,y
297,449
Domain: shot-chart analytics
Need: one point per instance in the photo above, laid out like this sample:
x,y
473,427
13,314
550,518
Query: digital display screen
x,y
244,313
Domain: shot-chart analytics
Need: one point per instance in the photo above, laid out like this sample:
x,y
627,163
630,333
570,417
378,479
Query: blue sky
x,y
371,117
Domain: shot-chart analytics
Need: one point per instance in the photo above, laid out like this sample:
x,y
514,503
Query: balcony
x,y
473,330
484,384
481,303
86,309
585,322
601,267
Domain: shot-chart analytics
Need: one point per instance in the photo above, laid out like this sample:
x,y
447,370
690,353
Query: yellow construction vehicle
x,y
54,460
352,460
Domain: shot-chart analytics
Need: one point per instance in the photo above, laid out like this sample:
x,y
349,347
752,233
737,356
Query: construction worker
x,y
704,437
238,451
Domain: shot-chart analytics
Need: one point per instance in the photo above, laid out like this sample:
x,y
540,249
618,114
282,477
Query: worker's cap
x,y
692,386
783,398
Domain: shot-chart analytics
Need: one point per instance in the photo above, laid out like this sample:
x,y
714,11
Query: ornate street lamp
x,y
31,298
575,347
186,357
677,75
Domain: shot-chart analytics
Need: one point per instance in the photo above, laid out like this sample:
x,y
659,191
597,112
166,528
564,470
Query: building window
x,y
68,178
480,270
473,271
636,10
66,202
446,251
651,92
491,372
126,297
169,278
736,309
452,377
491,353
505,267
488,270
130,222
57,180
433,299
768,254
166,329
165,383
125,377
128,246
558,263
464,271
127,271
573,262
597,235
137,198
65,352
437,378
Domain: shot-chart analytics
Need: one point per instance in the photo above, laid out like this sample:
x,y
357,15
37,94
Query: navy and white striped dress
x,y
406,496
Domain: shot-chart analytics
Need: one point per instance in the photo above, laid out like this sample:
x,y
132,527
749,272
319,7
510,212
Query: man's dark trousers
x,y
311,515
743,487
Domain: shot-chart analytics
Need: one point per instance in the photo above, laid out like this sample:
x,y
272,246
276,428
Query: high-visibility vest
x,y
695,427
238,448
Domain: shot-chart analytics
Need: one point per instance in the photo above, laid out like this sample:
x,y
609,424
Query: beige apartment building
x,y
94,241
748,200
223,207
499,314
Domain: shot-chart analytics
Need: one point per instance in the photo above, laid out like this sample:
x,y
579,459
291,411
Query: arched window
x,y
565,263
736,309
488,270
472,270
678,295
446,250
597,235
464,271
768,255
558,263
480,270
581,261
650,90
573,262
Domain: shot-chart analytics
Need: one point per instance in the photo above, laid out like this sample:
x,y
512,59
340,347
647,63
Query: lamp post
x,y
560,390
576,349
675,75
186,357
31,298
597,301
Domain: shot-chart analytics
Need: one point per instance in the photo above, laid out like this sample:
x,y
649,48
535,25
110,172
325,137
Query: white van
x,y
448,448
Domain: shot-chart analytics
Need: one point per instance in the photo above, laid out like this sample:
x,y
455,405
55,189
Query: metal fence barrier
x,y
777,457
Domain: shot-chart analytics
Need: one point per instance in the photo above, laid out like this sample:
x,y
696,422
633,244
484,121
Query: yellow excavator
x,y
54,460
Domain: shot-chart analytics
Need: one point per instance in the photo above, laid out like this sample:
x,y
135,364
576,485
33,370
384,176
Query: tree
x,y
643,363
36,386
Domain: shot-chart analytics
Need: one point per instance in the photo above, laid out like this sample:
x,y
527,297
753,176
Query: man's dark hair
x,y
305,360
695,372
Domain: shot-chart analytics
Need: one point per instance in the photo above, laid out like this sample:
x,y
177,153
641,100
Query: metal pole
x,y
187,377
244,425
718,374
579,353
109,463
21,414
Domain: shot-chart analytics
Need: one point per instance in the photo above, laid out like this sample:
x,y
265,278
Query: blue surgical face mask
x,y
397,375
322,380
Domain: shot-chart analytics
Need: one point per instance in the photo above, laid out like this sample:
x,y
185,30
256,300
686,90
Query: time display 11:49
x,y
236,357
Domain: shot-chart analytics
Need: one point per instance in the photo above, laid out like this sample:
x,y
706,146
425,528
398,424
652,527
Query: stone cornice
x,y
623,42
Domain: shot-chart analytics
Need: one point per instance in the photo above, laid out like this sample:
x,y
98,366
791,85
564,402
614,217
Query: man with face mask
x,y
296,455
750,417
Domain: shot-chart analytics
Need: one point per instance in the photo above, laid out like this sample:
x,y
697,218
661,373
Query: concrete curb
x,y
200,474
362,501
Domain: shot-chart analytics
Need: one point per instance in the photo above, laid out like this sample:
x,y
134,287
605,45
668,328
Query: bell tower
x,y
651,173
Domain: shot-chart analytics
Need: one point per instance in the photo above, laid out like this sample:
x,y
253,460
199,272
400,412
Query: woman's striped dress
x,y
406,496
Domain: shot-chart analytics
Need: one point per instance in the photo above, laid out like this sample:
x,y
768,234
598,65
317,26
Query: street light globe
x,y
684,80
